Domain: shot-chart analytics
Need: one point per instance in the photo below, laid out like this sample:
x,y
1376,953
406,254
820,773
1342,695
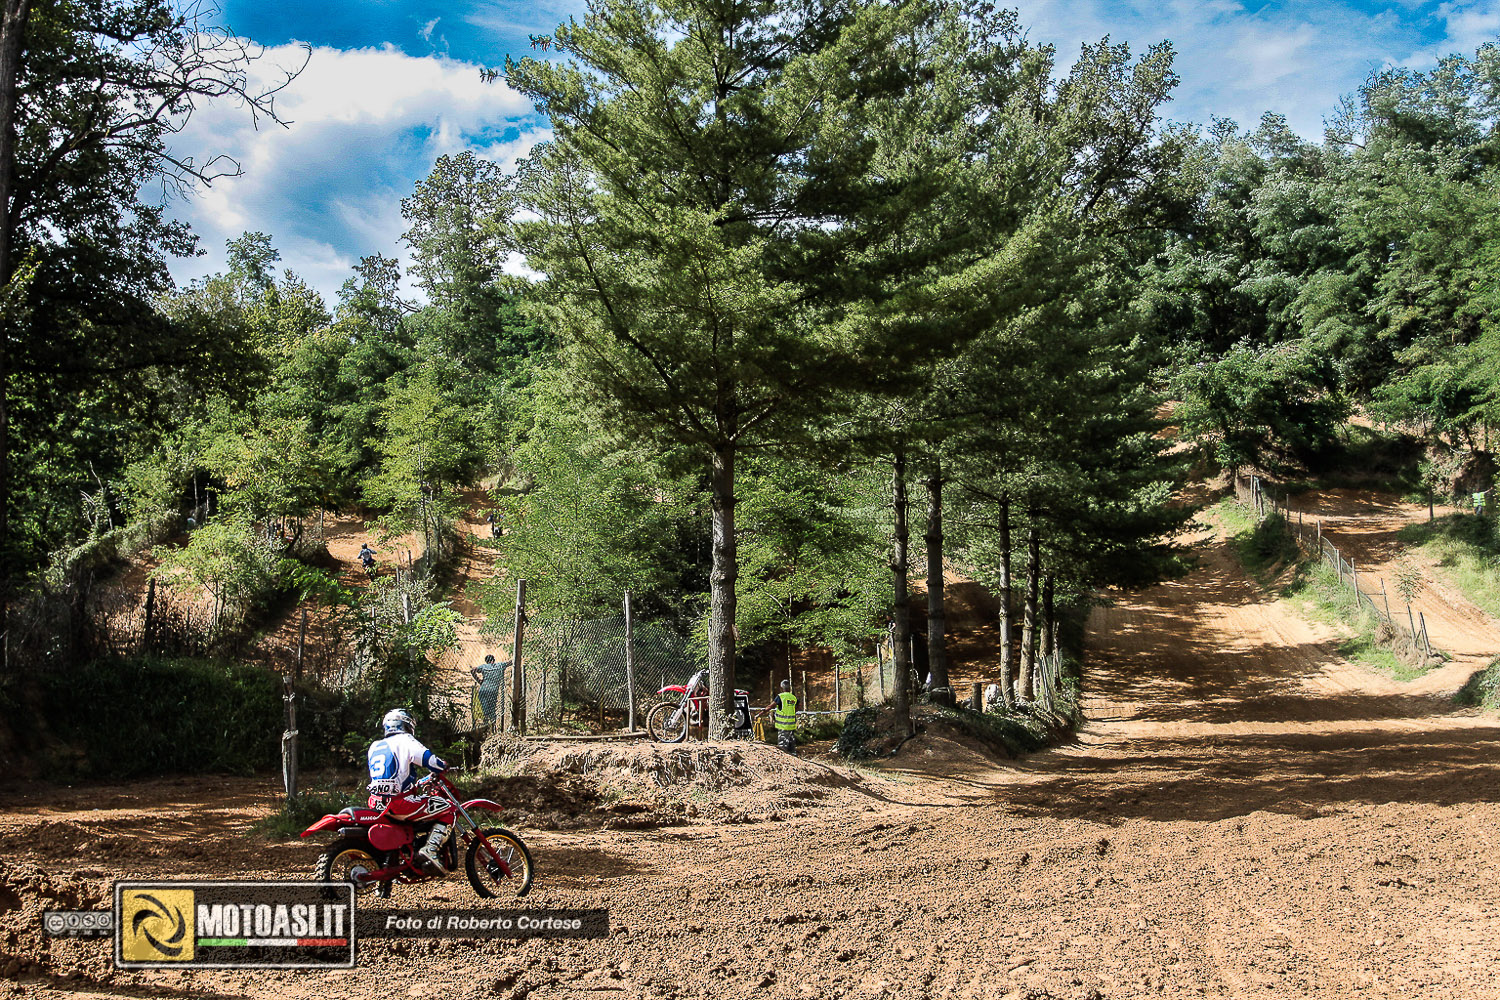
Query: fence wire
x,y
1254,493
575,670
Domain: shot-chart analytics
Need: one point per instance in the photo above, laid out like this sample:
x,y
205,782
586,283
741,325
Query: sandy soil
x,y
1244,816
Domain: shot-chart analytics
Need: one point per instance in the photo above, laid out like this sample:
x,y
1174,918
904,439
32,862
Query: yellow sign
x,y
156,925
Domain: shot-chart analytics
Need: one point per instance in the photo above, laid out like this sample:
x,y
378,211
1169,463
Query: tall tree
x,y
90,95
726,211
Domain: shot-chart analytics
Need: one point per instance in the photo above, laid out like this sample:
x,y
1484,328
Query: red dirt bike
x,y
375,851
688,705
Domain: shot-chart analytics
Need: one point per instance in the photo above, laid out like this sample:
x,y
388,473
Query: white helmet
x,y
399,720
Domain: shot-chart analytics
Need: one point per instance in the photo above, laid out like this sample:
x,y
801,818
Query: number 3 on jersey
x,y
382,763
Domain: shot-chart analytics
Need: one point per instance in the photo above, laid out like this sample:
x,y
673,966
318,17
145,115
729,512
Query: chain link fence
x,y
578,673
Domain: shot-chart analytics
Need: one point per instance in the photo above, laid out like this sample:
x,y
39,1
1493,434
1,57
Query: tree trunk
x,y
1007,658
1046,630
937,657
12,44
722,596
1029,623
900,601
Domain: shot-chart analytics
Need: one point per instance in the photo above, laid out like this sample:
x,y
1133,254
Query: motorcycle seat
x,y
359,815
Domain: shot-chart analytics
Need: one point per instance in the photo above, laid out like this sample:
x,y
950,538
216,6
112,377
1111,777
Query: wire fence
x,y
1254,493
599,673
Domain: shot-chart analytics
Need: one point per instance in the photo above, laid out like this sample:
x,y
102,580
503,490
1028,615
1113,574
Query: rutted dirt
x,y
1244,816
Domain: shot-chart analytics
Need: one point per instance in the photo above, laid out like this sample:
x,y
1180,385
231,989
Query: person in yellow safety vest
x,y
783,712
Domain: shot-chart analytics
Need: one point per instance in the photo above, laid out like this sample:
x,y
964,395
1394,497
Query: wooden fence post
x,y
301,643
150,612
517,705
629,663
289,740
1386,598
976,697
1426,642
1413,623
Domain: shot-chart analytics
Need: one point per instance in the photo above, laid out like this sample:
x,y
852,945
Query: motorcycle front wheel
x,y
345,860
486,875
661,727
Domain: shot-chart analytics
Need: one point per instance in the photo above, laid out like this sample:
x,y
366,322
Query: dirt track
x,y
1244,816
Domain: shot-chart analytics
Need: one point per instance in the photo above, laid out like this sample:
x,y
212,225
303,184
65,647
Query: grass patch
x,y
1266,549
1483,689
1011,734
820,727
308,807
1324,598
1467,553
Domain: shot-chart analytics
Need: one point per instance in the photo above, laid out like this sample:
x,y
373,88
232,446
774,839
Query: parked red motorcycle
x,y
688,705
375,851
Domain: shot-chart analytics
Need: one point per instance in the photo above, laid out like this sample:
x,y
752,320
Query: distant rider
x,y
391,760
367,556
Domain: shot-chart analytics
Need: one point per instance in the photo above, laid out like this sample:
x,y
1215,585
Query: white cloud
x,y
1238,60
366,125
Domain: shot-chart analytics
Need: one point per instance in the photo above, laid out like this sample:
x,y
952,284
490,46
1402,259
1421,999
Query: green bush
x,y
125,718
1483,689
308,807
1012,735
858,729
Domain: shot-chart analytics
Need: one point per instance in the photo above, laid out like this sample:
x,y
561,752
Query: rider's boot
x,y
430,856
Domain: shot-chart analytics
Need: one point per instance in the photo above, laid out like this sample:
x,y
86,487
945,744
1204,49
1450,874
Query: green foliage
x,y
307,808
594,518
810,549
1011,735
233,561
128,718
1260,408
855,735
1482,690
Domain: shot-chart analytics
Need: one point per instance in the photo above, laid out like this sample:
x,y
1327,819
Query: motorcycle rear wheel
x,y
487,877
659,724
346,858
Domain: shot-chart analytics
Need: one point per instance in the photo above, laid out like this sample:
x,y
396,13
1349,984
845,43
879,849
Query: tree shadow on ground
x,y
1212,777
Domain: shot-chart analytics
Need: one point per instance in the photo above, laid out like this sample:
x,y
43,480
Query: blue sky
x,y
391,85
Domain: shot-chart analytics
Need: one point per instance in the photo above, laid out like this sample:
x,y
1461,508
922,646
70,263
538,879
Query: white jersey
x,y
392,759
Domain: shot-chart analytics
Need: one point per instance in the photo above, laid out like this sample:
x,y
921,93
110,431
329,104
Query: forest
x,y
787,284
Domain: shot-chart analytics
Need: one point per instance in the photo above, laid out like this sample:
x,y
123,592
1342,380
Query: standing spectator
x,y
490,678
783,712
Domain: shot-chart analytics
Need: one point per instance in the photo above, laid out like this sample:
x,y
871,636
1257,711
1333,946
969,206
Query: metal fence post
x,y
1426,642
629,663
517,706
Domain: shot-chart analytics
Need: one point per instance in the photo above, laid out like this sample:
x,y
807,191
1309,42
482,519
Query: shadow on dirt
x,y
1206,779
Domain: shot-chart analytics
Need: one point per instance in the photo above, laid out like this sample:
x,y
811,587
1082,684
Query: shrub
x,y
857,730
125,718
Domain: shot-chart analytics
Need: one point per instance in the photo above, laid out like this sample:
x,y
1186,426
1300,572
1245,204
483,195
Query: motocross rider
x,y
391,759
